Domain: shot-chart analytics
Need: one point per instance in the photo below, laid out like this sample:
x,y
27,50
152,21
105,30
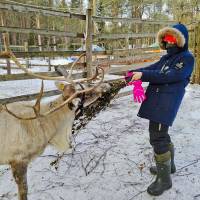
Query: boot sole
x,y
157,194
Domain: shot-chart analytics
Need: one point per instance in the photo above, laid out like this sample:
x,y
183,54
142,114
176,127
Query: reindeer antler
x,y
76,94
36,107
67,78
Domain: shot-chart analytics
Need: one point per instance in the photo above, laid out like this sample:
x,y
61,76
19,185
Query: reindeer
x,y
26,129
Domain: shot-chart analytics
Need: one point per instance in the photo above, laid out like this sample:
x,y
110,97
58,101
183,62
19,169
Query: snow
x,y
112,156
42,61
40,64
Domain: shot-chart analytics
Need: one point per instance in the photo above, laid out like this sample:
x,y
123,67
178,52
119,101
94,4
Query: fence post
x,y
49,64
54,39
196,73
127,43
6,46
89,43
192,37
26,50
39,36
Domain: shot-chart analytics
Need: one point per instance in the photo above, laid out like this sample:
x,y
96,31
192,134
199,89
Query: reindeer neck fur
x,y
26,139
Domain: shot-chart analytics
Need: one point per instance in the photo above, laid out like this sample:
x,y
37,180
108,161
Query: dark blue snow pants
x,y
159,137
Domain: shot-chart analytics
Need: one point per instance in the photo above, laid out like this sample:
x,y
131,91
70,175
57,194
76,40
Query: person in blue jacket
x,y
167,81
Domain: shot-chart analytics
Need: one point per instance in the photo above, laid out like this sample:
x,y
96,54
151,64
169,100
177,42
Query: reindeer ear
x,y
60,85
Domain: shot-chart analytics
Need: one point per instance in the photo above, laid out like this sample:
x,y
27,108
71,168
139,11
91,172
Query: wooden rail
x,y
129,59
131,20
42,54
102,62
123,36
19,7
118,56
120,52
13,6
76,35
28,97
40,32
67,66
23,76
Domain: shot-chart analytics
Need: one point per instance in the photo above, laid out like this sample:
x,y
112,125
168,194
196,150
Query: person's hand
x,y
136,76
128,76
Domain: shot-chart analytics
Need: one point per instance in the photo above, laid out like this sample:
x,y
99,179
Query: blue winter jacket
x,y
167,78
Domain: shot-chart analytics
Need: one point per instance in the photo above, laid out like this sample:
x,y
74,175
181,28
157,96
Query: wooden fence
x,y
108,57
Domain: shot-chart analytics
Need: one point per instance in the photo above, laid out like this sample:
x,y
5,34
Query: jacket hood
x,y
179,31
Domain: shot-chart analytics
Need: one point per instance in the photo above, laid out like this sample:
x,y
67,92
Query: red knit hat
x,y
170,38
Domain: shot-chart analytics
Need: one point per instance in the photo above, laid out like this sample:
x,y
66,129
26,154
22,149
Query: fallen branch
x,y
96,162
138,194
192,163
100,104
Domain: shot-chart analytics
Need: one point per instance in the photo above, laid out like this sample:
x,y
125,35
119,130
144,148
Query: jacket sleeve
x,y
174,74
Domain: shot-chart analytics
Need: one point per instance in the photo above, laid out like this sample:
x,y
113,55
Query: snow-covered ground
x,y
112,157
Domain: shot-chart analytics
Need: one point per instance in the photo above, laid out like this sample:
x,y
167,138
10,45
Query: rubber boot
x,y
153,169
163,180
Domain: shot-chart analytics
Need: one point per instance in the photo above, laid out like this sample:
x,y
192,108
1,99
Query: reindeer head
x,y
66,89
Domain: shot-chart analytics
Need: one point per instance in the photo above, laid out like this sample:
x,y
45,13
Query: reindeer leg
x,y
19,170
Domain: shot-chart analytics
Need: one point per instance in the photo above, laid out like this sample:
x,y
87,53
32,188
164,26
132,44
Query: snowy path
x,y
111,159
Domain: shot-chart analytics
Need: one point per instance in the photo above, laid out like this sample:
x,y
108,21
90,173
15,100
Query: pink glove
x,y
138,91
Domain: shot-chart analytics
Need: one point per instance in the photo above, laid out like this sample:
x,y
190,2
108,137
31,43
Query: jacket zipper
x,y
159,127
